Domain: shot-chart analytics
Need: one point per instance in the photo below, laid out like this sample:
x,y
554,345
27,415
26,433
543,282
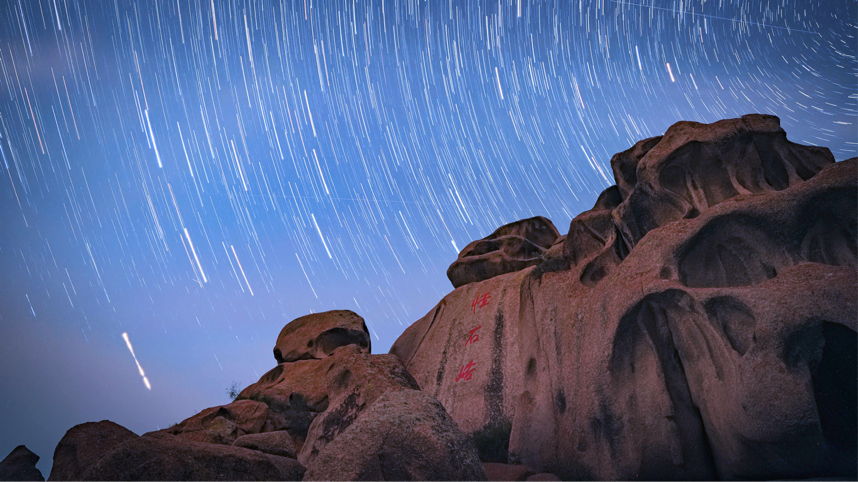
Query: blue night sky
x,y
198,173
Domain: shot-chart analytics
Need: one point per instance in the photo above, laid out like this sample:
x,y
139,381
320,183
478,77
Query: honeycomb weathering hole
x,y
835,382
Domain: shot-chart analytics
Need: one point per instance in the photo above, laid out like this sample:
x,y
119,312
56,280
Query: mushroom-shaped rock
x,y
85,444
20,464
512,247
166,457
404,435
316,336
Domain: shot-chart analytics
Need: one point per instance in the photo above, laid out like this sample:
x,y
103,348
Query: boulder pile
x,y
329,410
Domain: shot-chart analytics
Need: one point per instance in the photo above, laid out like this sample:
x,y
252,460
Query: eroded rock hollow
x,y
698,323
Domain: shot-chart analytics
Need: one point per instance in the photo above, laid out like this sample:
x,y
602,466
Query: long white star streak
x,y
152,136
242,269
139,368
196,258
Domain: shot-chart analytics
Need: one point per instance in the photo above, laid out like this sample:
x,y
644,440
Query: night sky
x,y
195,173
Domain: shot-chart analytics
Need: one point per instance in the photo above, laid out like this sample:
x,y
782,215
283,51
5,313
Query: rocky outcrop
x,y
226,424
167,457
83,445
284,424
699,322
321,398
511,247
20,464
301,405
316,336
405,435
274,443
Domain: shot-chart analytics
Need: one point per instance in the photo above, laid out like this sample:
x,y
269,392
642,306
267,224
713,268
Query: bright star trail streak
x,y
242,270
345,149
139,368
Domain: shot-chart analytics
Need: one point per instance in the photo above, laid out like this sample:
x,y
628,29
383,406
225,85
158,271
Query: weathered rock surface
x,y
83,445
225,424
274,443
316,336
167,457
20,464
695,166
321,398
700,322
405,435
496,471
511,247
542,476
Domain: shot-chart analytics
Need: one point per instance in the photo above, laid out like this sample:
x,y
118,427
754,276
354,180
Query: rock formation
x,y
698,323
20,464
316,337
326,401
511,247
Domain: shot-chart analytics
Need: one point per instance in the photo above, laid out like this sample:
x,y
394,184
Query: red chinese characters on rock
x,y
481,301
473,337
467,371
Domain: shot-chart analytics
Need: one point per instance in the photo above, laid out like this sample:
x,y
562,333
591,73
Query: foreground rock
x,y
319,399
288,420
83,445
699,323
170,458
405,435
20,464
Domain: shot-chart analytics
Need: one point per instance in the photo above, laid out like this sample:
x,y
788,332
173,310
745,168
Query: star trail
x,y
194,174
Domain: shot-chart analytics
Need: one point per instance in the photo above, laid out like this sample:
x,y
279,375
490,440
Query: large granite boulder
x,y
167,457
321,398
719,342
20,464
105,451
404,435
316,336
83,445
512,247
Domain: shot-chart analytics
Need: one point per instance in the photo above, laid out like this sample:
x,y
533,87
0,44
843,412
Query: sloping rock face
x,y
282,424
170,458
85,444
511,247
405,435
20,464
699,323
107,451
